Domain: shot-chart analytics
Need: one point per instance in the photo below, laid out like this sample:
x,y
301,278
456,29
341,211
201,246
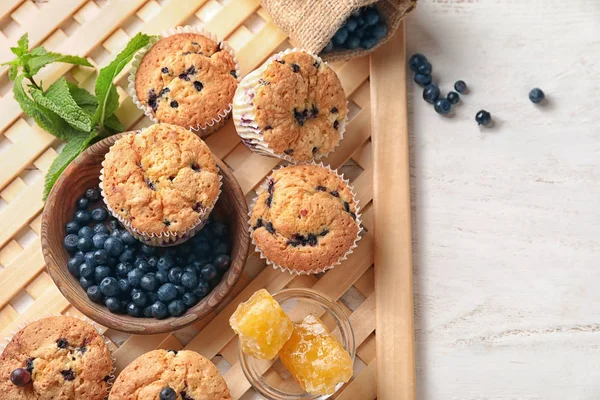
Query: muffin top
x,y
187,79
187,373
66,357
300,106
306,218
163,179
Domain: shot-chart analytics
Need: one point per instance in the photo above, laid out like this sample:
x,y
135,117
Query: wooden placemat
x,y
99,29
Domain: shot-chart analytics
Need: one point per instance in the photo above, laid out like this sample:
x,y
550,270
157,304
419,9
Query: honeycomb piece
x,y
315,358
262,325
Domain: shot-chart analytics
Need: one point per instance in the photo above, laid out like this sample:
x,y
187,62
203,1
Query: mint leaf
x,y
74,147
23,43
113,124
83,98
46,119
36,63
38,51
58,99
12,72
105,91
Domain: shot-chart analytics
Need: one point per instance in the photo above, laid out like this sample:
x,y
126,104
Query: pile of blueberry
x,y
133,278
363,29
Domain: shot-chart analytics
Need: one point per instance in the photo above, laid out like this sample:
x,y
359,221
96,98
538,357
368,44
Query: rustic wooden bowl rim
x,y
69,285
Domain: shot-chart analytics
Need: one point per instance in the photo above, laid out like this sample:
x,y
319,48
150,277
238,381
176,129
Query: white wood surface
x,y
507,220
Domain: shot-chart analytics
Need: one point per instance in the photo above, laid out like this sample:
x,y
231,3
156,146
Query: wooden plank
x,y
393,254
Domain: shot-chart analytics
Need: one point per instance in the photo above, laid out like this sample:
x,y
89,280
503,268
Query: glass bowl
x,y
269,377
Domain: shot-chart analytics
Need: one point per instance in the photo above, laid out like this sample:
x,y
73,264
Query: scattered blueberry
x,y
416,60
483,118
422,80
442,106
425,68
536,95
431,93
72,227
453,97
460,87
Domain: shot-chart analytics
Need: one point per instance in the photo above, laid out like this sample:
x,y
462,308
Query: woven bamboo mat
x,y
99,29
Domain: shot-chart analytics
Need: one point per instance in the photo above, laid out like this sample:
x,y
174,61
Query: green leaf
x,y
12,72
16,51
73,148
46,119
23,43
39,62
105,91
58,99
113,124
83,98
38,51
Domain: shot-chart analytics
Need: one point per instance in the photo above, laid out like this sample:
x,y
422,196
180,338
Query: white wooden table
x,y
507,220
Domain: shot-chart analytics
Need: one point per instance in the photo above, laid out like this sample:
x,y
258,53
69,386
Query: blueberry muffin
x,y
162,374
55,358
305,219
293,107
160,183
187,79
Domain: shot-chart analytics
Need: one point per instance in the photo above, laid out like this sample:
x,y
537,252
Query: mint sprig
x,y
65,110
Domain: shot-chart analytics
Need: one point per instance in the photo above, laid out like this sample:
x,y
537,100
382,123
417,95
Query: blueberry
x,y
123,286
328,47
177,308
133,291
202,290
109,286
219,229
189,279
114,246
99,214
167,292
95,294
139,299
371,16
148,282
160,310
353,42
134,311
83,203
416,60
431,93
483,118
128,255
460,87
90,260
209,272
101,272
92,194
453,97
152,297
167,394
85,282
351,24
360,21
189,299
162,276
141,264
70,242
128,239
113,304
153,262
86,270
379,31
73,267
148,250
85,244
99,239
202,247
148,312
116,233
422,80
83,217
368,43
536,95
340,36
180,289
221,248
114,224
442,106
175,275
112,262
222,262
101,256
72,227
101,228
424,69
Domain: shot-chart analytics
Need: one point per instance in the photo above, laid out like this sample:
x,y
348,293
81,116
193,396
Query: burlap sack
x,y
310,24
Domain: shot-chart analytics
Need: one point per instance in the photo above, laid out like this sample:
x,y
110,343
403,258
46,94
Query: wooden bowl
x,y
83,173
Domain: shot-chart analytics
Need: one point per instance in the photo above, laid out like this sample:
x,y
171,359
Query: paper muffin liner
x,y
164,239
358,220
111,375
244,116
201,130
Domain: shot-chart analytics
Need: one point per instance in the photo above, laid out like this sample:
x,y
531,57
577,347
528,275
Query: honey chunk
x,y
262,325
315,358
